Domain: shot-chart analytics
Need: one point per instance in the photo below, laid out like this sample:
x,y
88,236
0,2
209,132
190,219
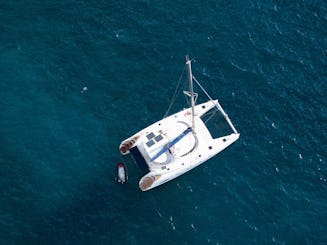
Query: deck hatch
x,y
158,137
150,136
150,143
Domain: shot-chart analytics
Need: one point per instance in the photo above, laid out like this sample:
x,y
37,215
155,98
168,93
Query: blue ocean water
x,y
264,60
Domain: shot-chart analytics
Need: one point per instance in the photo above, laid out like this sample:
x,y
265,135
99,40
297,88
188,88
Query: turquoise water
x,y
264,60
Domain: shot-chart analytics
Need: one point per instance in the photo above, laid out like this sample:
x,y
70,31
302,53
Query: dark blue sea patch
x,y
77,77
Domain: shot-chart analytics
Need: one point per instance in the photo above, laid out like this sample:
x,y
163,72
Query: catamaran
x,y
180,142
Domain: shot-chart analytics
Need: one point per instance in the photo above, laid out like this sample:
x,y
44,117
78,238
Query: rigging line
x,y
173,99
210,116
218,106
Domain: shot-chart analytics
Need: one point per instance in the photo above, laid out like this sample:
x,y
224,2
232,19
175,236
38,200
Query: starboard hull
x,y
161,177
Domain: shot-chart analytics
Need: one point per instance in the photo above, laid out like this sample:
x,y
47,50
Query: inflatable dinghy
x,y
121,173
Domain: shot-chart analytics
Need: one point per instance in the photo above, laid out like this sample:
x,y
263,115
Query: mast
x,y
190,78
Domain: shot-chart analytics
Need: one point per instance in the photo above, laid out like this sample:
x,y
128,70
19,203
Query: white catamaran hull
x,y
178,143
161,177
192,150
